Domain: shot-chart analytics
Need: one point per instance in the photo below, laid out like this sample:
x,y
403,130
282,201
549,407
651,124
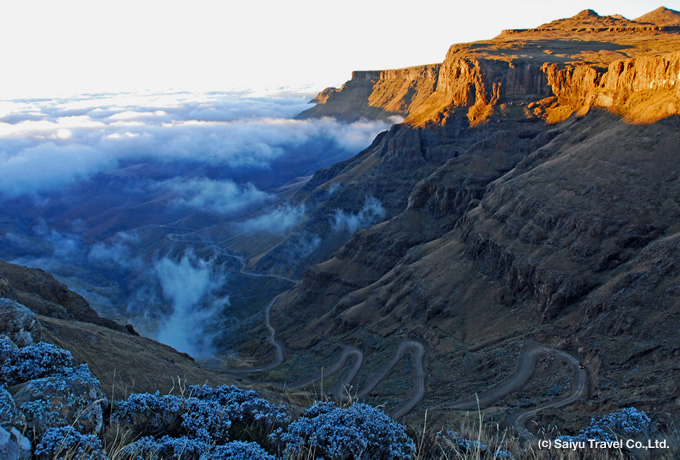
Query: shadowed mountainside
x,y
122,360
532,193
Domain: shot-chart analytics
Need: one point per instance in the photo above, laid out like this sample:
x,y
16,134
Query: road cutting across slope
x,y
347,354
523,373
343,388
279,355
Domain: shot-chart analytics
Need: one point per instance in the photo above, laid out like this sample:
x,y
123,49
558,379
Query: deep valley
x,y
511,244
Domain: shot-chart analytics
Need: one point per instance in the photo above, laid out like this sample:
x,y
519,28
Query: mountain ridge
x,y
529,196
526,198
525,67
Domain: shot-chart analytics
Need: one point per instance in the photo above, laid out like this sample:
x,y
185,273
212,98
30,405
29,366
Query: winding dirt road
x,y
343,388
419,378
524,371
578,387
279,355
347,354
244,263
522,374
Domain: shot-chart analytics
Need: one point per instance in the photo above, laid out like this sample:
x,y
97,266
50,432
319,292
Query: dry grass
x,y
436,444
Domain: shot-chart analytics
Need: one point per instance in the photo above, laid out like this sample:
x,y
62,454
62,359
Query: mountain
x,y
563,66
509,244
661,17
530,196
377,94
122,360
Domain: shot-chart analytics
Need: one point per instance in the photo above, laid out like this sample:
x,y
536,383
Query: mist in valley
x,y
151,205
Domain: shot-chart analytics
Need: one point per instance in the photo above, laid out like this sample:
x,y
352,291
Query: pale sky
x,y
52,48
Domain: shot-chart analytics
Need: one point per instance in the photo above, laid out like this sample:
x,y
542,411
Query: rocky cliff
x,y
531,194
545,72
377,94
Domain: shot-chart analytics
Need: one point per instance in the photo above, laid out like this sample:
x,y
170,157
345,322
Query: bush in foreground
x,y
67,442
358,431
622,423
208,415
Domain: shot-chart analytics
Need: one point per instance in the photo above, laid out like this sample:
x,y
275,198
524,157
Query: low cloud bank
x,y
48,166
190,284
46,145
117,251
164,160
220,196
281,220
371,213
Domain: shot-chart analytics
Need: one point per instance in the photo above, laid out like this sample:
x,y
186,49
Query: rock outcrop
x,y
539,72
44,295
531,192
377,94
14,445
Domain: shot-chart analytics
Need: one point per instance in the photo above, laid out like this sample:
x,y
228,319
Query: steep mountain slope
x,y
560,67
40,292
661,17
531,194
122,360
377,94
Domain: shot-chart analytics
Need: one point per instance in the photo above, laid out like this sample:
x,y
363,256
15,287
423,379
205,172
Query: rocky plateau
x,y
530,194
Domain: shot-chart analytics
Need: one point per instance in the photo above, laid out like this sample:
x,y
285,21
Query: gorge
x,y
510,243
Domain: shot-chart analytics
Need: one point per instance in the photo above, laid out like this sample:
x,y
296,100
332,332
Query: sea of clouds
x,y
217,153
46,144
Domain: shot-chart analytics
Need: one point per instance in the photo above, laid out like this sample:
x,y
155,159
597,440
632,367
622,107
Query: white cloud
x,y
371,213
133,115
117,250
48,144
48,166
189,284
64,134
224,197
281,220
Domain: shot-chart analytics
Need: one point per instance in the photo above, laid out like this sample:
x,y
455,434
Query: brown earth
x,y
123,361
531,194
661,17
39,291
566,66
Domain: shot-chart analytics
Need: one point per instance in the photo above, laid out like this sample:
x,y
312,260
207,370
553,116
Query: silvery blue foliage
x,y
63,442
242,405
83,375
359,431
70,395
206,415
472,446
239,450
625,422
6,348
149,414
183,448
206,421
35,361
